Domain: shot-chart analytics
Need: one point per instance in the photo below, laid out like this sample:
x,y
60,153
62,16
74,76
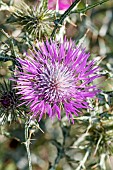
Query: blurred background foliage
x,y
86,145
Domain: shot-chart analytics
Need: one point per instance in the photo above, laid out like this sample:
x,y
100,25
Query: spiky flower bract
x,y
57,78
8,103
36,21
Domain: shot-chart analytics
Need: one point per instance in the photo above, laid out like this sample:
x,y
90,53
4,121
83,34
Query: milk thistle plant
x,y
55,89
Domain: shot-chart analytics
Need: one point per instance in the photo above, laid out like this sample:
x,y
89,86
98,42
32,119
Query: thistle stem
x,y
56,163
68,11
27,145
89,7
84,160
63,16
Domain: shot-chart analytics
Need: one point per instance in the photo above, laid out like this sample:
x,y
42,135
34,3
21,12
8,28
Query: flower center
x,y
6,101
54,83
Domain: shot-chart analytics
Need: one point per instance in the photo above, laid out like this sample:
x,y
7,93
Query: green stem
x,y
68,11
63,16
83,161
89,7
57,160
45,4
27,144
11,2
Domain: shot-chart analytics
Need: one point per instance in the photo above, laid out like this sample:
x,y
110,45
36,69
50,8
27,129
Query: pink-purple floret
x,y
56,79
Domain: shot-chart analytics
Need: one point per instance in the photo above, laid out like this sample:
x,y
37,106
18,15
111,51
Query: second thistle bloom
x,y
57,79
9,112
63,5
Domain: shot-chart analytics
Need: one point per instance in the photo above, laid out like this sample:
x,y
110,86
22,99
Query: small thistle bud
x,y
37,21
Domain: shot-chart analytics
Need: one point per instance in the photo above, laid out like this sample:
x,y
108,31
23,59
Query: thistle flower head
x,y
57,78
8,103
36,21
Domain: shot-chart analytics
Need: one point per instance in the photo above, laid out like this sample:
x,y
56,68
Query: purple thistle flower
x,y
9,112
57,78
